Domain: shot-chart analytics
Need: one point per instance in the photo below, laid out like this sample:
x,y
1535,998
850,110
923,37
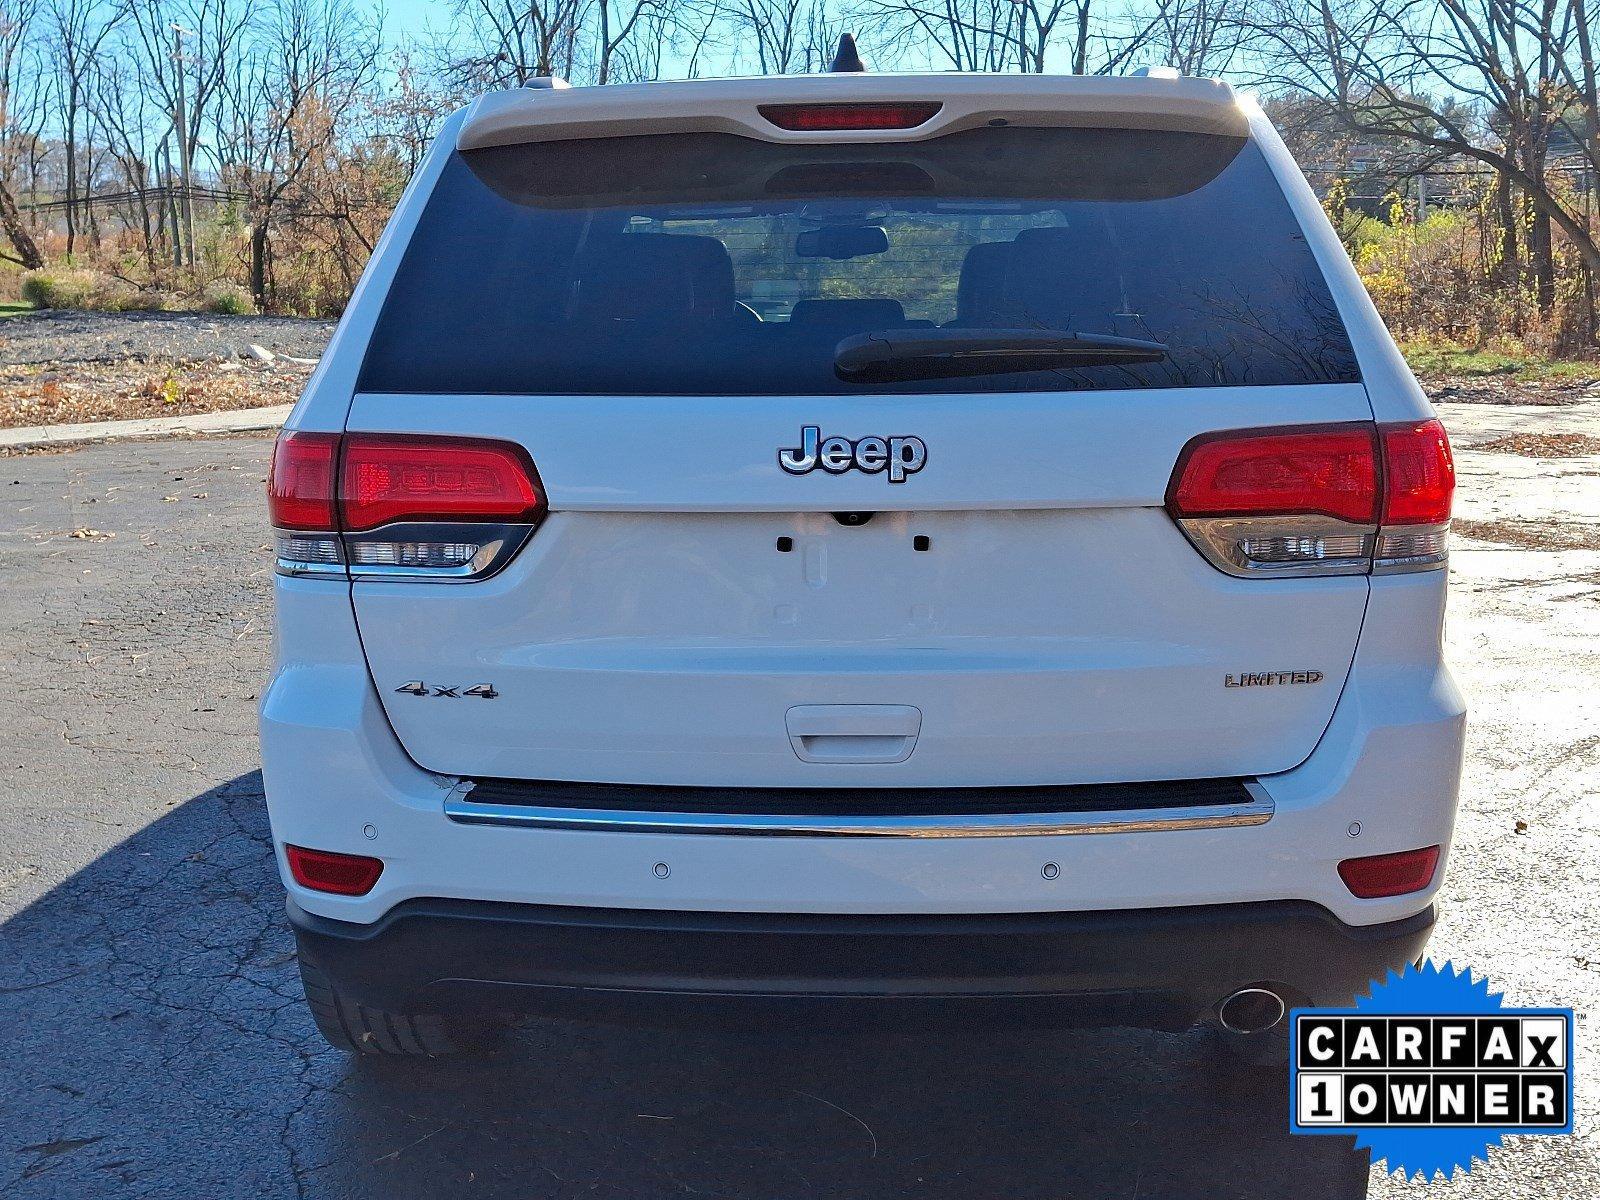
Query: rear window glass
x,y
712,264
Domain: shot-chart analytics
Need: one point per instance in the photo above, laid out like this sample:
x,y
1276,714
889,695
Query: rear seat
x,y
981,288
656,277
1019,284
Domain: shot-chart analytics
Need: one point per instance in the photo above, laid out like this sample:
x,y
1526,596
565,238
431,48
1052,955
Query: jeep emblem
x,y
899,456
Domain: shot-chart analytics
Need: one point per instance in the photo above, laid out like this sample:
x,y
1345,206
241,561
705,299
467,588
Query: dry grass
x,y
34,451
1532,535
1544,445
1557,392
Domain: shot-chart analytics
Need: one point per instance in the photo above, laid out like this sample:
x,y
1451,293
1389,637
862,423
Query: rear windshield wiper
x,y
893,354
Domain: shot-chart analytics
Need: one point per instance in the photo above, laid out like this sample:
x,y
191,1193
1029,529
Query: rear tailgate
x,y
1058,629
642,316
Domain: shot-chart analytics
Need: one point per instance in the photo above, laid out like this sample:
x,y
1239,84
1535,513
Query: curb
x,y
244,420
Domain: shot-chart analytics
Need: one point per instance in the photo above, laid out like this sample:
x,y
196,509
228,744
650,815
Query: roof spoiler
x,y
552,113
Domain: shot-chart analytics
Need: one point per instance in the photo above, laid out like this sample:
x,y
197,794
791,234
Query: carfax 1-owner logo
x,y
1430,1070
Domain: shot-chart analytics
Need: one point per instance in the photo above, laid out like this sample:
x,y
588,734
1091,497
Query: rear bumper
x,y
1383,779
1158,967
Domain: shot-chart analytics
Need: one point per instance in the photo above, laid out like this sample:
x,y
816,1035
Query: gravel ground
x,y
60,337
63,367
155,1045
1504,390
1544,445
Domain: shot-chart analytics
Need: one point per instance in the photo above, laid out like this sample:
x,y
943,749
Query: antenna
x,y
847,59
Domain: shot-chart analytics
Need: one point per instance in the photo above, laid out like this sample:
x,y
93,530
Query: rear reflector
x,y
300,483
1331,472
1390,874
823,118
327,871
383,479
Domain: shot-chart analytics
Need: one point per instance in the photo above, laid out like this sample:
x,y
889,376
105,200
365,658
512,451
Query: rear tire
x,y
355,1028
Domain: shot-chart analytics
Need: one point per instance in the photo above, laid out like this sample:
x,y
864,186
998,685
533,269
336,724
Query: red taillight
x,y
1330,471
327,871
397,507
301,481
822,118
1317,500
1382,875
384,479
1419,474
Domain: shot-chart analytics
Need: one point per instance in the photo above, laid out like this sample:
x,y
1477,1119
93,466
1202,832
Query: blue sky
x,y
414,16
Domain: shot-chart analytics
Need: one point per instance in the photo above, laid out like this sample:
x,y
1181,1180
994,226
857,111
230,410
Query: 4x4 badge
x,y
415,687
899,456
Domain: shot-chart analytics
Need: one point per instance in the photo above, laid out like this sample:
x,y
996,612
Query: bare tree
x,y
405,116
505,43
1086,37
781,37
619,21
966,35
76,30
16,23
1488,81
775,28
1038,23
184,50
307,69
1199,37
121,121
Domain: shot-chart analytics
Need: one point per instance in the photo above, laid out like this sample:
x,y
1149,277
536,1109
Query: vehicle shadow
x,y
152,1031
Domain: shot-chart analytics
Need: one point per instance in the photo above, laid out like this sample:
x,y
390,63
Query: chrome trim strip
x,y
459,806
294,567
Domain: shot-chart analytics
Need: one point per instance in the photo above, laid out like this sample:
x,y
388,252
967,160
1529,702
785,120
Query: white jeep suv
x,y
891,543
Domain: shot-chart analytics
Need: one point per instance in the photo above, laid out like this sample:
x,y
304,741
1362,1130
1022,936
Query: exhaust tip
x,y
1251,1010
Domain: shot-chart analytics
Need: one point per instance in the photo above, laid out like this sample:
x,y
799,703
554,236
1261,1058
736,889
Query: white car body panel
x,y
630,643
652,649
1376,746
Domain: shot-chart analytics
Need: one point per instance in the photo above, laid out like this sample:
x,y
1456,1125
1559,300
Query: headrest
x,y
982,284
1066,277
641,276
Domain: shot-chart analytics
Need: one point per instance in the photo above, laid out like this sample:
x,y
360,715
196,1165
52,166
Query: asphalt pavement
x,y
153,1042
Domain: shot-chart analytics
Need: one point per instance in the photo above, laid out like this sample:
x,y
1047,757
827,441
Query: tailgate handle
x,y
853,733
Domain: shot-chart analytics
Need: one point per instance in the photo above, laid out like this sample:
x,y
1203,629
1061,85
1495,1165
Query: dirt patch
x,y
1494,389
65,367
135,388
1532,535
1543,445
32,451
